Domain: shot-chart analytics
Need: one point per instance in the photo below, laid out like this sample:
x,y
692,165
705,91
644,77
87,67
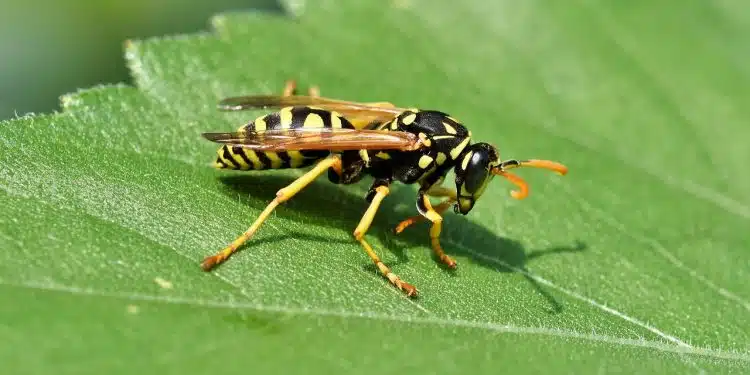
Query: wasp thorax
x,y
473,173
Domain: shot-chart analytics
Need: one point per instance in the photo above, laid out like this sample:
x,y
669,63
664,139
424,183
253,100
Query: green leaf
x,y
636,262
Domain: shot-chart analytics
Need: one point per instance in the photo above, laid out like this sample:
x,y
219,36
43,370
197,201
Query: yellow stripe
x,y
365,156
220,152
313,120
425,161
257,164
275,159
461,146
295,158
335,120
260,123
439,137
440,158
285,116
465,163
238,159
408,119
383,155
426,141
450,129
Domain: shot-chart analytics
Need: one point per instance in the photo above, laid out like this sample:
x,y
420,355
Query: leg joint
x,y
434,217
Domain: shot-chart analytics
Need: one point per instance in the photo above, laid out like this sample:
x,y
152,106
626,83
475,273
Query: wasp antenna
x,y
523,187
535,163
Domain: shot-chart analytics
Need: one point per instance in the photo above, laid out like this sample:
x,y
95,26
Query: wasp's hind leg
x,y
378,192
284,194
290,87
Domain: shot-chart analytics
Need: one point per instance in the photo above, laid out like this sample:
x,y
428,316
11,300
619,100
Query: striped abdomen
x,y
237,157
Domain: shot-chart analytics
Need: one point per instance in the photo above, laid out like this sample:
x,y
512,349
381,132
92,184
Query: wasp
x,y
350,140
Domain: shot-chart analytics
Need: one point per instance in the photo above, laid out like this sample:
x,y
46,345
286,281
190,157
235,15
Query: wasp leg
x,y
282,196
359,234
425,208
314,91
438,191
291,86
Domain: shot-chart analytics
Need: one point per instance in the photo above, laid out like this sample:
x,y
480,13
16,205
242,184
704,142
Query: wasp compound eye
x,y
477,171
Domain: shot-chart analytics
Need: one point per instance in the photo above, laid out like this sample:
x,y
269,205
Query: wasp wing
x,y
361,115
319,139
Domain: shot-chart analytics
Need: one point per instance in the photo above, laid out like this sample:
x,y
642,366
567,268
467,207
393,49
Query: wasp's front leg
x,y
427,211
437,191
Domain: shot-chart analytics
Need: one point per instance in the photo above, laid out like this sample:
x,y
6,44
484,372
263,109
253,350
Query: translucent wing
x,y
361,115
319,139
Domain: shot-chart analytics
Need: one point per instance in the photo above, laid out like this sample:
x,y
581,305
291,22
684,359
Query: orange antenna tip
x,y
546,164
523,187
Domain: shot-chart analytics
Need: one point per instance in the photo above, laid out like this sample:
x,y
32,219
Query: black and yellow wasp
x,y
350,140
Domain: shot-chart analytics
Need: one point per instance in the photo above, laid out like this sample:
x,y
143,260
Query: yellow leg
x,y
314,91
437,225
282,196
437,191
291,86
359,234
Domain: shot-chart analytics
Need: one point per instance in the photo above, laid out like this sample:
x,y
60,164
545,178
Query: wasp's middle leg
x,y
380,192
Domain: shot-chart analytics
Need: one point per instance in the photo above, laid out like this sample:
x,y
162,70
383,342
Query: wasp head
x,y
479,163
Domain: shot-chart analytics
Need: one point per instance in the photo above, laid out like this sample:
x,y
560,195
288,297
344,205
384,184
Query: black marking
x,y
264,160
272,120
314,154
300,114
239,151
228,160
421,206
286,161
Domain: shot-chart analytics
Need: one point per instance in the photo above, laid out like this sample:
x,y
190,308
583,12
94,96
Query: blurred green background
x,y
49,48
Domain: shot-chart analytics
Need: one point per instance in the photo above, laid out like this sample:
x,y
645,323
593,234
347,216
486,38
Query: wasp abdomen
x,y
240,158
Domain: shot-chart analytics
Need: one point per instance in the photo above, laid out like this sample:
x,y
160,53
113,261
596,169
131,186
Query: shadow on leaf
x,y
342,207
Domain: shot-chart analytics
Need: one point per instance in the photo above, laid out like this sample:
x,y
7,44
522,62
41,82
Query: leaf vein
x,y
500,328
